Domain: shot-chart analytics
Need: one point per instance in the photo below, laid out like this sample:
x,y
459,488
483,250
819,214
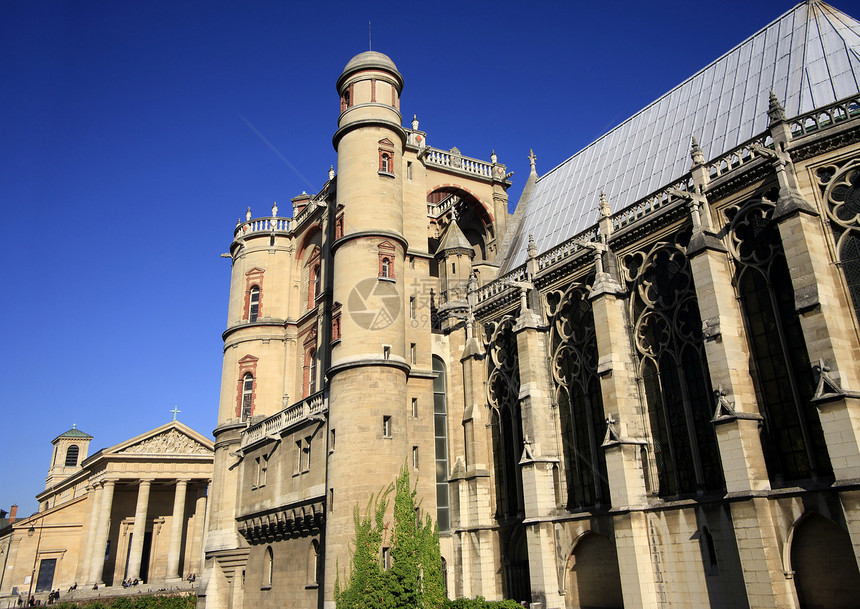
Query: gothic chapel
x,y
640,389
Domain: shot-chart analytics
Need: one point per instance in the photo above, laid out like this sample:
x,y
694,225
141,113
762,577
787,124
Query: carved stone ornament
x,y
170,443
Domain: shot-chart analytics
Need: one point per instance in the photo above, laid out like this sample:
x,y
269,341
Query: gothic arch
x,y
821,555
472,215
591,575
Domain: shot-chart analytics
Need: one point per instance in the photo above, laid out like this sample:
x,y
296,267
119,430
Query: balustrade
x,y
284,419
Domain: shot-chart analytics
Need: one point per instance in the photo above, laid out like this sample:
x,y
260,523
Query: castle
x,y
640,389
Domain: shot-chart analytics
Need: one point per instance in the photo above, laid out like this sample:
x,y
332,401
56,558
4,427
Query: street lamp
x,y
30,532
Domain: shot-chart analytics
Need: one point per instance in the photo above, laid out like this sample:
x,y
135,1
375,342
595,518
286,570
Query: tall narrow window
x,y
270,568
72,456
672,363
386,163
386,427
792,438
247,395
315,274
577,390
254,308
386,268
440,425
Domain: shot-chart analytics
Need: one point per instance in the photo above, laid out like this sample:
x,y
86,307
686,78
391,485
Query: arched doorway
x,y
825,569
592,575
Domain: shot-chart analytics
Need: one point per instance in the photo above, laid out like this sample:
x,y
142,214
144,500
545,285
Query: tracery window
x,y
668,337
792,438
841,191
503,389
577,393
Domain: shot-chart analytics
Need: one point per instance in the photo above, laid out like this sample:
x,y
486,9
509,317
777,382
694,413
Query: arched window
x,y
792,438
674,369
315,280
247,395
386,268
269,573
312,378
503,389
254,308
577,388
72,455
386,163
440,422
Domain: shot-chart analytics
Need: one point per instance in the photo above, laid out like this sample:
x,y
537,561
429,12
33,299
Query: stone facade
x,y
135,510
660,410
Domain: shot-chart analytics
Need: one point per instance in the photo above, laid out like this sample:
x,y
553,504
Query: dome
x,y
370,60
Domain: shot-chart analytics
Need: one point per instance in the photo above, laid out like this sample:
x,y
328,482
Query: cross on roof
x,y
175,411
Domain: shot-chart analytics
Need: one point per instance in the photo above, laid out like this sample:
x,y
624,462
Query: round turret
x,y
370,60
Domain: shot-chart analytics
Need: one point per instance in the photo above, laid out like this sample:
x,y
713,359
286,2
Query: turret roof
x,y
454,239
74,432
809,57
370,60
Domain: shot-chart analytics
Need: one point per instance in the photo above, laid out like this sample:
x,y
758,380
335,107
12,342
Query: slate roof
x,y
74,432
809,57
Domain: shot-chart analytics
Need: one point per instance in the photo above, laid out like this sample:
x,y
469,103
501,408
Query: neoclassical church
x,y
134,510
639,389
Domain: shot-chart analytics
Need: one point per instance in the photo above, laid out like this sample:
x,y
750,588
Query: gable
x,y
170,442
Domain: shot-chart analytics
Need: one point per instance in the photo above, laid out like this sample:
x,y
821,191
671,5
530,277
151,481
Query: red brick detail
x,y
338,227
247,365
373,89
335,326
308,370
314,269
386,151
394,96
386,251
254,277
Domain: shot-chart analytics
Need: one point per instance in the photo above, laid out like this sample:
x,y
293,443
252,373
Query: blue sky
x,y
132,139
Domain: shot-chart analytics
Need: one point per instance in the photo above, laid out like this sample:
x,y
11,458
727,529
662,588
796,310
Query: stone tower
x,y
372,367
70,449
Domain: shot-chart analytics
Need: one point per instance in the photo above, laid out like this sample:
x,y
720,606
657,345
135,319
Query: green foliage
x,y
481,603
415,577
142,601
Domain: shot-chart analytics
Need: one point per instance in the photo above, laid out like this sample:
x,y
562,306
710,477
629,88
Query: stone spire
x,y
696,153
775,110
532,159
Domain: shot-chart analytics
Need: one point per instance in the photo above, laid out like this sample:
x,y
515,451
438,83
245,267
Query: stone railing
x,y
501,284
825,117
434,211
568,248
262,225
740,156
651,203
454,160
286,418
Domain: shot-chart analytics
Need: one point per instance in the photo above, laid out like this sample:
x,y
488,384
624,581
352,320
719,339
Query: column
x,y
201,515
139,530
102,530
93,500
539,457
176,527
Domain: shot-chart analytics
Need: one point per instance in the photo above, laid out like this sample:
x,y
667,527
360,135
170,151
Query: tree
x,y
415,577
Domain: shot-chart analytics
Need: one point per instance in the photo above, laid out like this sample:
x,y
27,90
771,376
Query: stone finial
x,y
248,214
775,110
605,210
696,153
274,208
493,158
414,122
532,159
331,172
238,222
532,250
472,284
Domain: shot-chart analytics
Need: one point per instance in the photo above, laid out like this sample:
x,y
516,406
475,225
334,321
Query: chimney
x,y
12,512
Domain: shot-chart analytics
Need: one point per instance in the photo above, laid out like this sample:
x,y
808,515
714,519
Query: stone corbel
x,y
828,388
605,365
614,438
711,328
725,409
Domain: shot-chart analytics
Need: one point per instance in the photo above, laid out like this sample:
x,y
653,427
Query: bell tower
x,y
370,364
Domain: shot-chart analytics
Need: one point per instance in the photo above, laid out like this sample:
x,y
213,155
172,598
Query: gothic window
x,y
313,562
440,423
254,308
247,396
577,393
72,455
792,438
503,388
674,371
841,192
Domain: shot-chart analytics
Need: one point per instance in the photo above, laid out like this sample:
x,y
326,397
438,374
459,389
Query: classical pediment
x,y
169,442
